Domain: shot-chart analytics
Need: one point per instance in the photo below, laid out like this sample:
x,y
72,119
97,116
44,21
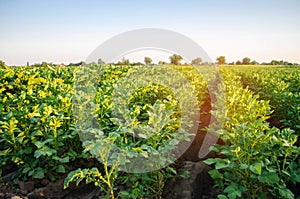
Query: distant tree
x,y
44,64
2,64
147,60
124,62
281,62
76,64
232,63
36,65
274,62
136,64
162,63
82,63
197,61
238,62
101,62
246,61
175,59
221,60
254,62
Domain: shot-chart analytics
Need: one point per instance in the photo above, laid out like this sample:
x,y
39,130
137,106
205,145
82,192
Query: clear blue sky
x,y
67,31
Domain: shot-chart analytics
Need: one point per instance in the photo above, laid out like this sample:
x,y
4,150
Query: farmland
x,y
257,108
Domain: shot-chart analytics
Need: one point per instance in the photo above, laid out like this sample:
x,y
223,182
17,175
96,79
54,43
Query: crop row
x,y
260,161
280,86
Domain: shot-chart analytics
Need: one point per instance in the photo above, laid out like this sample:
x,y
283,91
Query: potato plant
x,y
36,121
259,160
280,86
144,125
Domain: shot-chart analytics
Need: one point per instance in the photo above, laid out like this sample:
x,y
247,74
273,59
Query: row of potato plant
x,y
36,121
143,123
259,161
280,86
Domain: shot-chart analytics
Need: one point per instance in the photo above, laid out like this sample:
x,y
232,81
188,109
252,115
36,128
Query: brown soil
x,y
198,185
44,189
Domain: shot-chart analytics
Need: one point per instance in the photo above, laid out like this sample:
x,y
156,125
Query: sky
x,y
64,31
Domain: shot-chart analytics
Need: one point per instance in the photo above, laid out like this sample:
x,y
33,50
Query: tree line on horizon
x,y
221,60
175,59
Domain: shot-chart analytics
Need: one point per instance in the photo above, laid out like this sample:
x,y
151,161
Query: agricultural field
x,y
46,139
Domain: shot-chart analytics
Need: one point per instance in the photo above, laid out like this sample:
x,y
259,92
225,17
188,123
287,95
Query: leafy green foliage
x,y
140,118
148,184
258,159
280,86
105,181
36,121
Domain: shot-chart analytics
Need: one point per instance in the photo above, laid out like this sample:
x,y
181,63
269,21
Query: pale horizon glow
x,y
68,31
